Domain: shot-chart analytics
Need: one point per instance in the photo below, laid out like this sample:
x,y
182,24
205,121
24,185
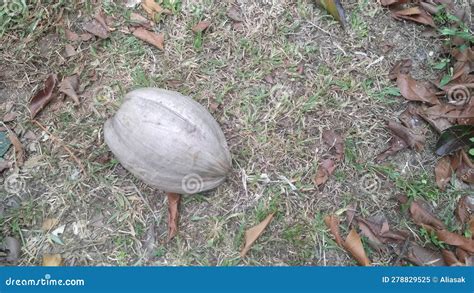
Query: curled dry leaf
x,y
400,67
462,210
325,169
19,151
43,97
71,36
450,258
421,216
52,260
354,246
139,20
173,214
252,234
152,38
415,14
69,50
69,86
374,241
413,140
396,144
332,222
443,172
414,90
392,2
151,7
9,117
96,28
331,138
456,240
49,223
422,256
201,26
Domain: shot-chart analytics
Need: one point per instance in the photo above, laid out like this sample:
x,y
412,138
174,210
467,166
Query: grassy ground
x,y
271,111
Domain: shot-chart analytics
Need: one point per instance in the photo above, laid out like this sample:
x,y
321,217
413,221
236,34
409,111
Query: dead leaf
x,y
12,248
450,258
173,214
462,209
409,137
97,27
201,26
234,14
49,223
325,169
43,97
331,138
85,37
152,38
374,241
414,14
350,213
400,67
69,50
461,255
151,7
52,260
422,256
396,144
443,172
421,216
332,222
414,90
139,20
354,246
252,234
69,86
71,36
9,117
19,151
456,240
392,2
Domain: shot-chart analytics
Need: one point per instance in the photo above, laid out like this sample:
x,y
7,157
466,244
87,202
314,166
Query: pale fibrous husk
x,y
169,141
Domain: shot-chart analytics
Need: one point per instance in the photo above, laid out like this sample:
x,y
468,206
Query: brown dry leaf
x,y
462,211
173,214
331,138
9,117
52,260
413,140
332,222
400,67
421,216
456,240
201,26
422,256
435,115
350,213
392,2
151,7
374,241
443,172
414,90
450,258
43,97
252,234
19,151
396,144
415,14
234,14
49,223
139,20
152,38
97,28
69,86
471,226
462,255
71,36
69,50
85,37
325,169
354,246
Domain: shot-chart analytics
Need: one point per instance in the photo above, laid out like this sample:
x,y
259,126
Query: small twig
x,y
65,147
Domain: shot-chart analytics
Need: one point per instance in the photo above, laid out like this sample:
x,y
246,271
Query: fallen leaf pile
x,y
446,104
